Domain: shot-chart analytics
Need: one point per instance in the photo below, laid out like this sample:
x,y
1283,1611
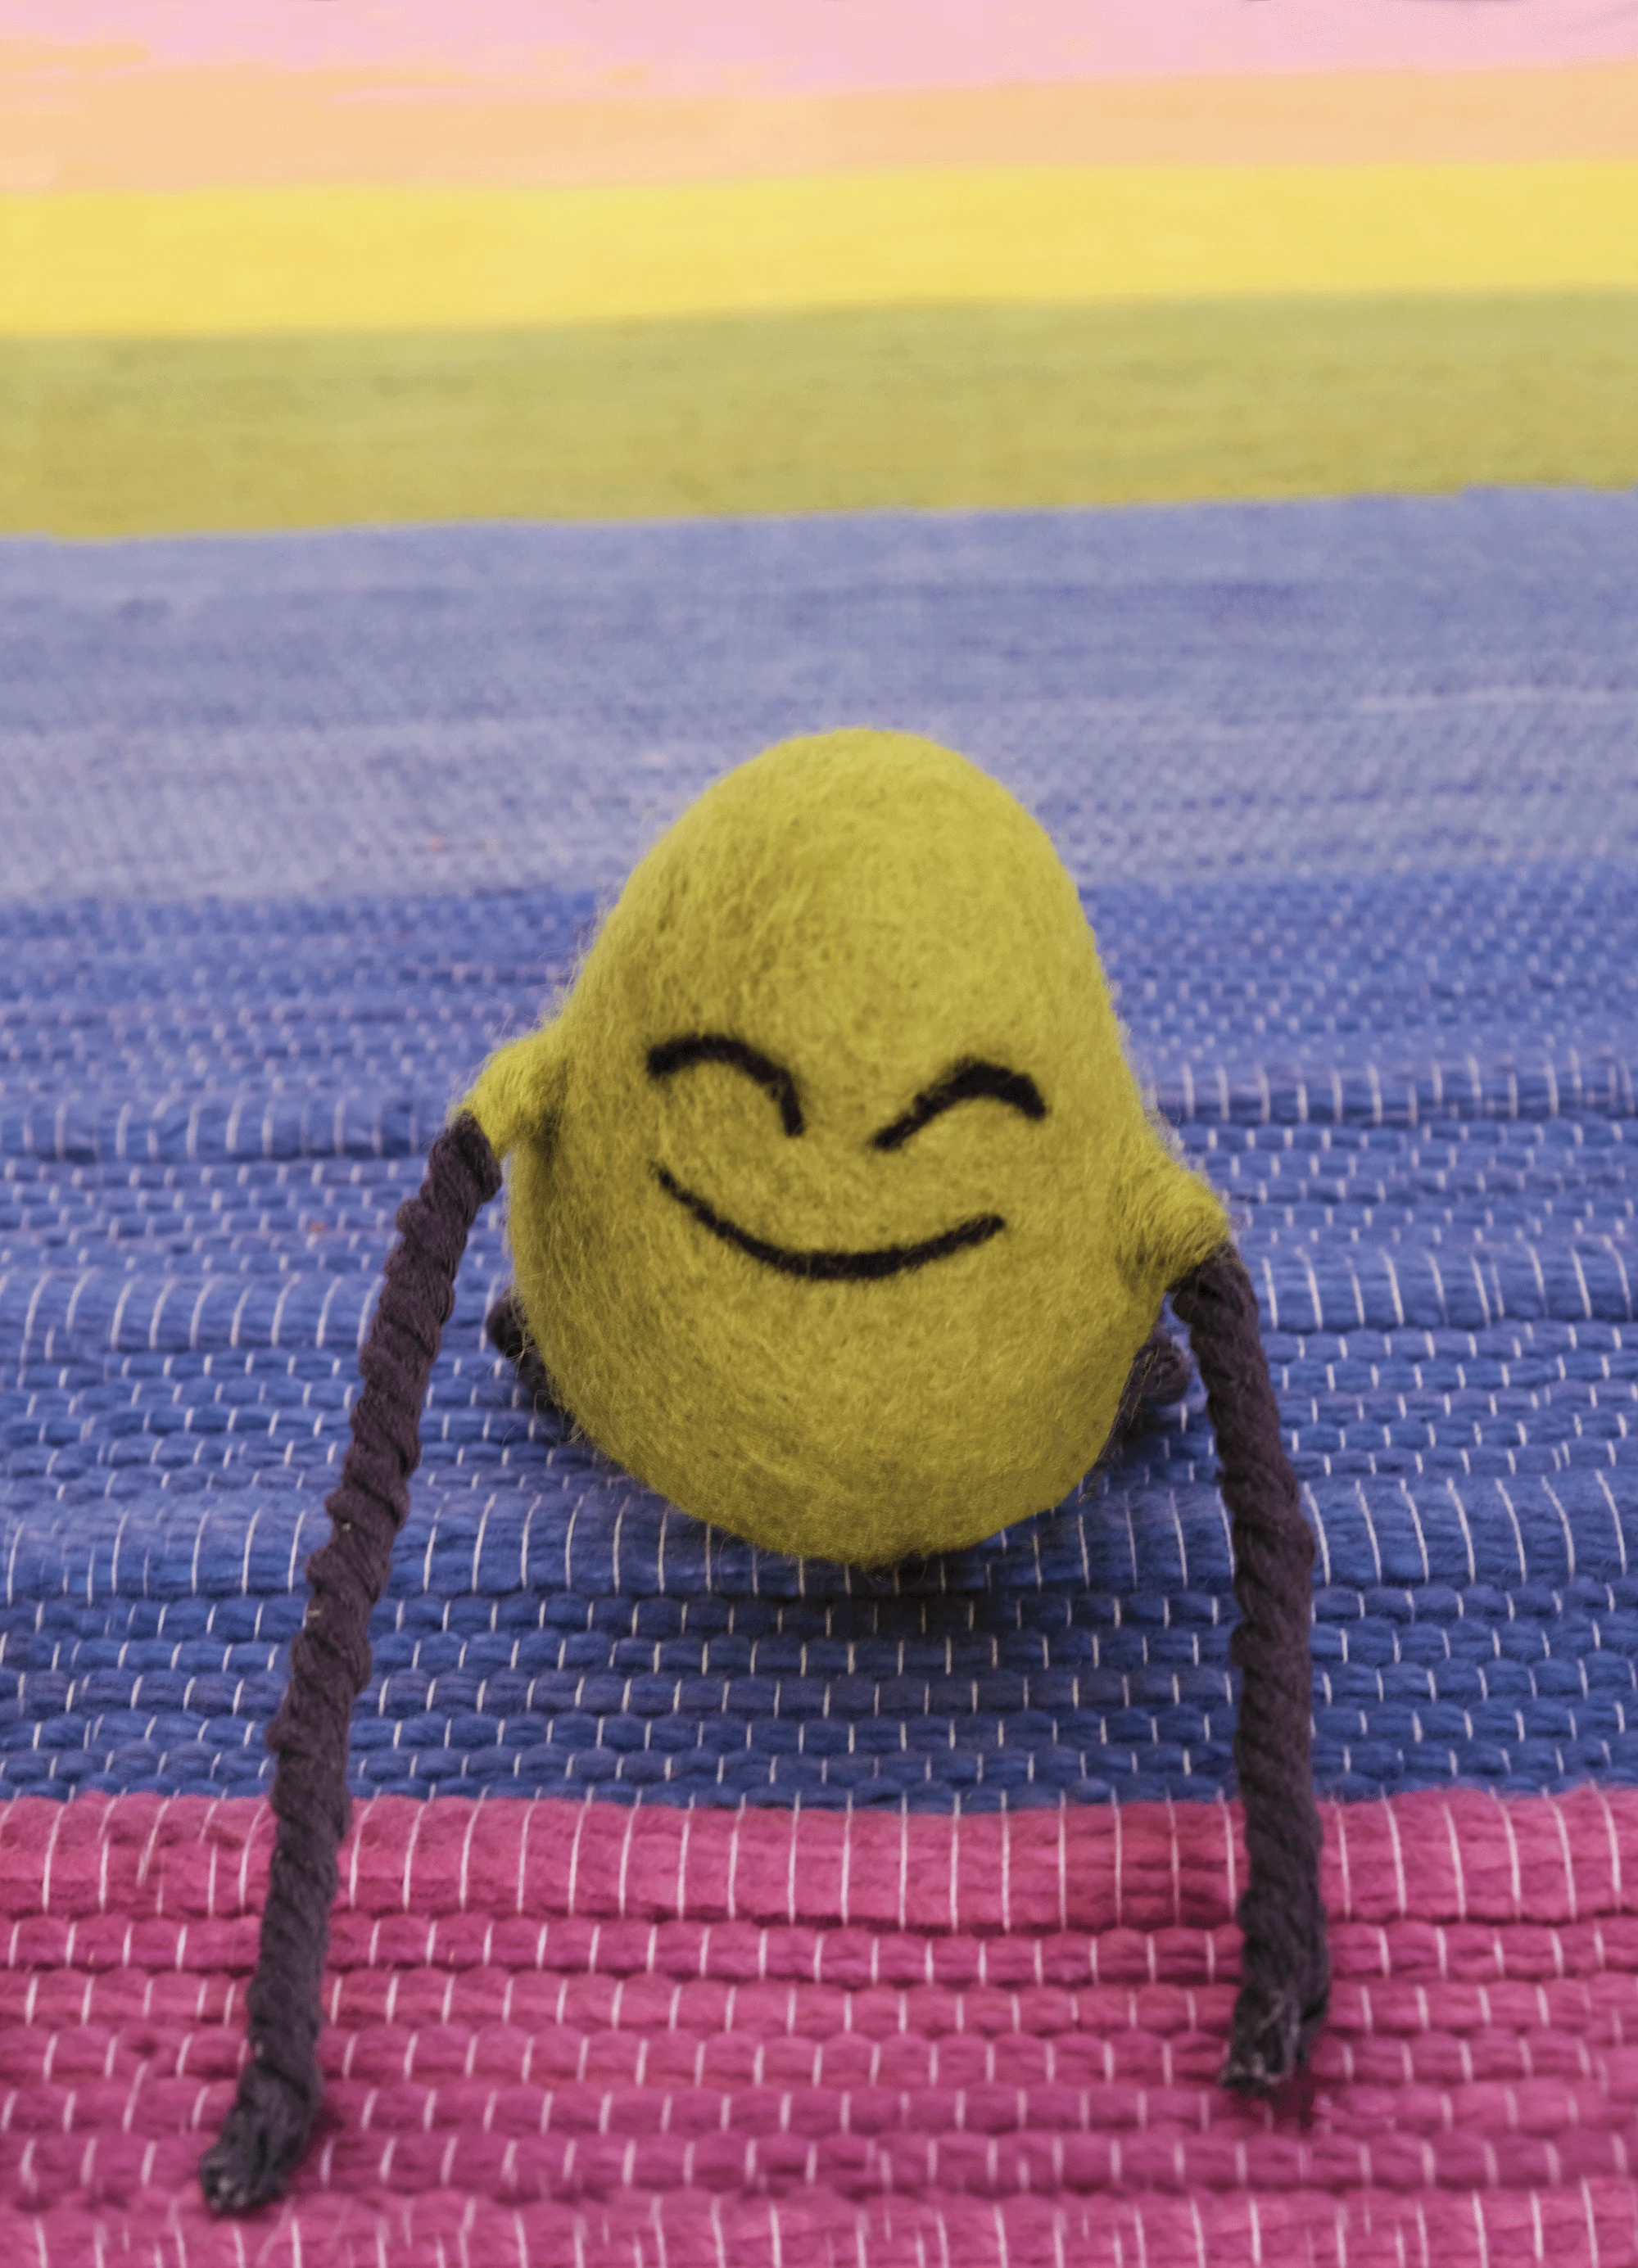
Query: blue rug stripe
x,y
1299,690
1351,796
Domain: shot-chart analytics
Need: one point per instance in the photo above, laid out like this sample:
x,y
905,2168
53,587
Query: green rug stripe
x,y
942,408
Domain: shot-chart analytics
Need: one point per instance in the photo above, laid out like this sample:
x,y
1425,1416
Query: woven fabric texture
x,y
765,2037
1449,1303
1322,690
829,1918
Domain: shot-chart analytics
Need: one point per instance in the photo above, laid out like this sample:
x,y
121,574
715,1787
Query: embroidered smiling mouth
x,y
833,1267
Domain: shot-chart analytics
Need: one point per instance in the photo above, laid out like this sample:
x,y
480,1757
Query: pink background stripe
x,y
1462,1857
574,2031
747,45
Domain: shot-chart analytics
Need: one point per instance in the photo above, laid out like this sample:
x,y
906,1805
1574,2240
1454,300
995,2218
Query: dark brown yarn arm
x,y
1286,1970
267,2129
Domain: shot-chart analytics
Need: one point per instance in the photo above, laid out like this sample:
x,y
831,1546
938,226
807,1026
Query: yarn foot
x,y
260,2143
1270,2039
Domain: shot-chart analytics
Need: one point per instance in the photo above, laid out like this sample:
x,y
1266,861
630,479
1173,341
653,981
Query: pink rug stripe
x,y
580,2032
1464,1856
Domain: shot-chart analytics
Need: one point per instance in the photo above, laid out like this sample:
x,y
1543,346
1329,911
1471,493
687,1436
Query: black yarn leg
x,y
1285,1969
265,2131
1160,1374
504,1328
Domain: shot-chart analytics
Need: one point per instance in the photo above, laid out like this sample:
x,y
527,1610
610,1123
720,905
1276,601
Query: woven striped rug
x,y
703,1905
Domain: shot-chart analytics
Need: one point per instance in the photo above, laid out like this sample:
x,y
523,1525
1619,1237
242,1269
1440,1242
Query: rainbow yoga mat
x,y
701,1905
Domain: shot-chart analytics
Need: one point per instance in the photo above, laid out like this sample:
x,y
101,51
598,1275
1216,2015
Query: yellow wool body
x,y
828,1346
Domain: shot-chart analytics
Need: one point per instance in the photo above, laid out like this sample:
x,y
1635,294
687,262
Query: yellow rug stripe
x,y
934,407
224,261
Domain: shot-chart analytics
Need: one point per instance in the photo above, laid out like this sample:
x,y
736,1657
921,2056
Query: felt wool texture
x,y
860,944
837,1214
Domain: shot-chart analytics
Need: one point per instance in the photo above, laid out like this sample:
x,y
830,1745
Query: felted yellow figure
x,y
836,1218
835,1214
